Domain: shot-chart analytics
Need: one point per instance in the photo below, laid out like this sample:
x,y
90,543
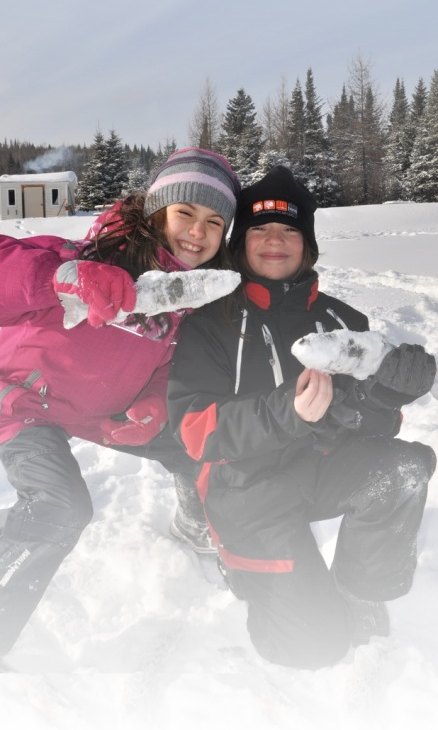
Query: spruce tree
x,y
296,129
416,114
317,173
269,159
397,148
419,101
341,140
161,156
422,177
240,140
91,189
137,179
147,159
373,149
116,168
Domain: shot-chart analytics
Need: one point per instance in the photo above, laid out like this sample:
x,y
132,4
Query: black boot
x,y
189,523
366,618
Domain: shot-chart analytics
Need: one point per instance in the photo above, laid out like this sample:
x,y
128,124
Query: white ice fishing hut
x,y
39,195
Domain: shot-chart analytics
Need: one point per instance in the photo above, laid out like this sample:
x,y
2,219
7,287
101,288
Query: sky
x,y
136,632
70,68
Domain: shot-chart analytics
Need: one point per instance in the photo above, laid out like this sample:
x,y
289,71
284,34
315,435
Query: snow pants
x,y
42,527
296,614
53,507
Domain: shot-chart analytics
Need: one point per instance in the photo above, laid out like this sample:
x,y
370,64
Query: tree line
x,y
356,154
353,155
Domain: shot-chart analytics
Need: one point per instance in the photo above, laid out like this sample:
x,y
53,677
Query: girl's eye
x,y
216,222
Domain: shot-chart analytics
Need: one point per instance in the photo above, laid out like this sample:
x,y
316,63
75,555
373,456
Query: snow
x,y
67,176
342,351
132,635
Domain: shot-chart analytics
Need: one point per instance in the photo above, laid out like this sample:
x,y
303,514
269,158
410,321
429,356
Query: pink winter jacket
x,y
78,378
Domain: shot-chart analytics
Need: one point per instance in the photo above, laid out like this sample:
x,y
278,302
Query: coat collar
x,y
169,262
269,294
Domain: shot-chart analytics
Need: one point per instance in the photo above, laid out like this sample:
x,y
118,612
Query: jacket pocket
x,y
30,392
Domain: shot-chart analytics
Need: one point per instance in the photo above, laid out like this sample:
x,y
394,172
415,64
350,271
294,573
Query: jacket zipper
x,y
337,318
240,351
274,360
42,392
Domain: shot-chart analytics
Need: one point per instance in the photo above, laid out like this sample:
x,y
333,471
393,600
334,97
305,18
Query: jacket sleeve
x,y
105,222
207,418
27,266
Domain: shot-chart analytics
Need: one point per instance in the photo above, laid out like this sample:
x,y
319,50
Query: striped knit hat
x,y
192,175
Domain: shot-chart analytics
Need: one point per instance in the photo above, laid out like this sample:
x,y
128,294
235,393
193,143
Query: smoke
x,y
49,160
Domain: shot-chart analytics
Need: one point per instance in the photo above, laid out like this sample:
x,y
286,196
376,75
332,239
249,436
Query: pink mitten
x,y
144,420
104,289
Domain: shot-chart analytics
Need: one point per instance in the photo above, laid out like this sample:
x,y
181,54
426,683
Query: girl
x,y
95,381
280,447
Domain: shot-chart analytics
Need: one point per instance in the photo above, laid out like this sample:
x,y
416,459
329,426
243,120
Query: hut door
x,y
33,201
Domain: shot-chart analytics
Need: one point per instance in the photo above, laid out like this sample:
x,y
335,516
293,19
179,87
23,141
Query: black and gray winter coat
x,y
233,383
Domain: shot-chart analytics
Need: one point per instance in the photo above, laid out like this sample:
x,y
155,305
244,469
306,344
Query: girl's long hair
x,y
131,241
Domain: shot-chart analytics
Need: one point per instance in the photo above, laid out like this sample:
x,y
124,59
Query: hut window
x,y
11,197
55,196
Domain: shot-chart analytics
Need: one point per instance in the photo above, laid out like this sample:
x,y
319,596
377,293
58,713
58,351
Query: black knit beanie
x,y
277,197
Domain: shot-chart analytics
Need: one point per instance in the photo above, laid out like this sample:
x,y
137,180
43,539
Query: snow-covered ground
x,y
132,634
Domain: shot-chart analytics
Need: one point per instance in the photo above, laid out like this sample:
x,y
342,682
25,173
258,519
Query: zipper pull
x,y
42,393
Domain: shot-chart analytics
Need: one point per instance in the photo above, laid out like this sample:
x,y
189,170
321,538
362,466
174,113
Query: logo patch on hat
x,y
280,206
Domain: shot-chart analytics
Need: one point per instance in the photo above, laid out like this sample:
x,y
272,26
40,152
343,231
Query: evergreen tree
x,y
397,148
372,135
317,173
161,156
105,173
416,114
269,159
296,127
137,179
146,159
116,167
341,125
91,189
240,140
422,178
419,102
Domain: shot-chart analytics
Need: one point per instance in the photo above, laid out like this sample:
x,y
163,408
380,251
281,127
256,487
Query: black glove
x,y
405,374
351,410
